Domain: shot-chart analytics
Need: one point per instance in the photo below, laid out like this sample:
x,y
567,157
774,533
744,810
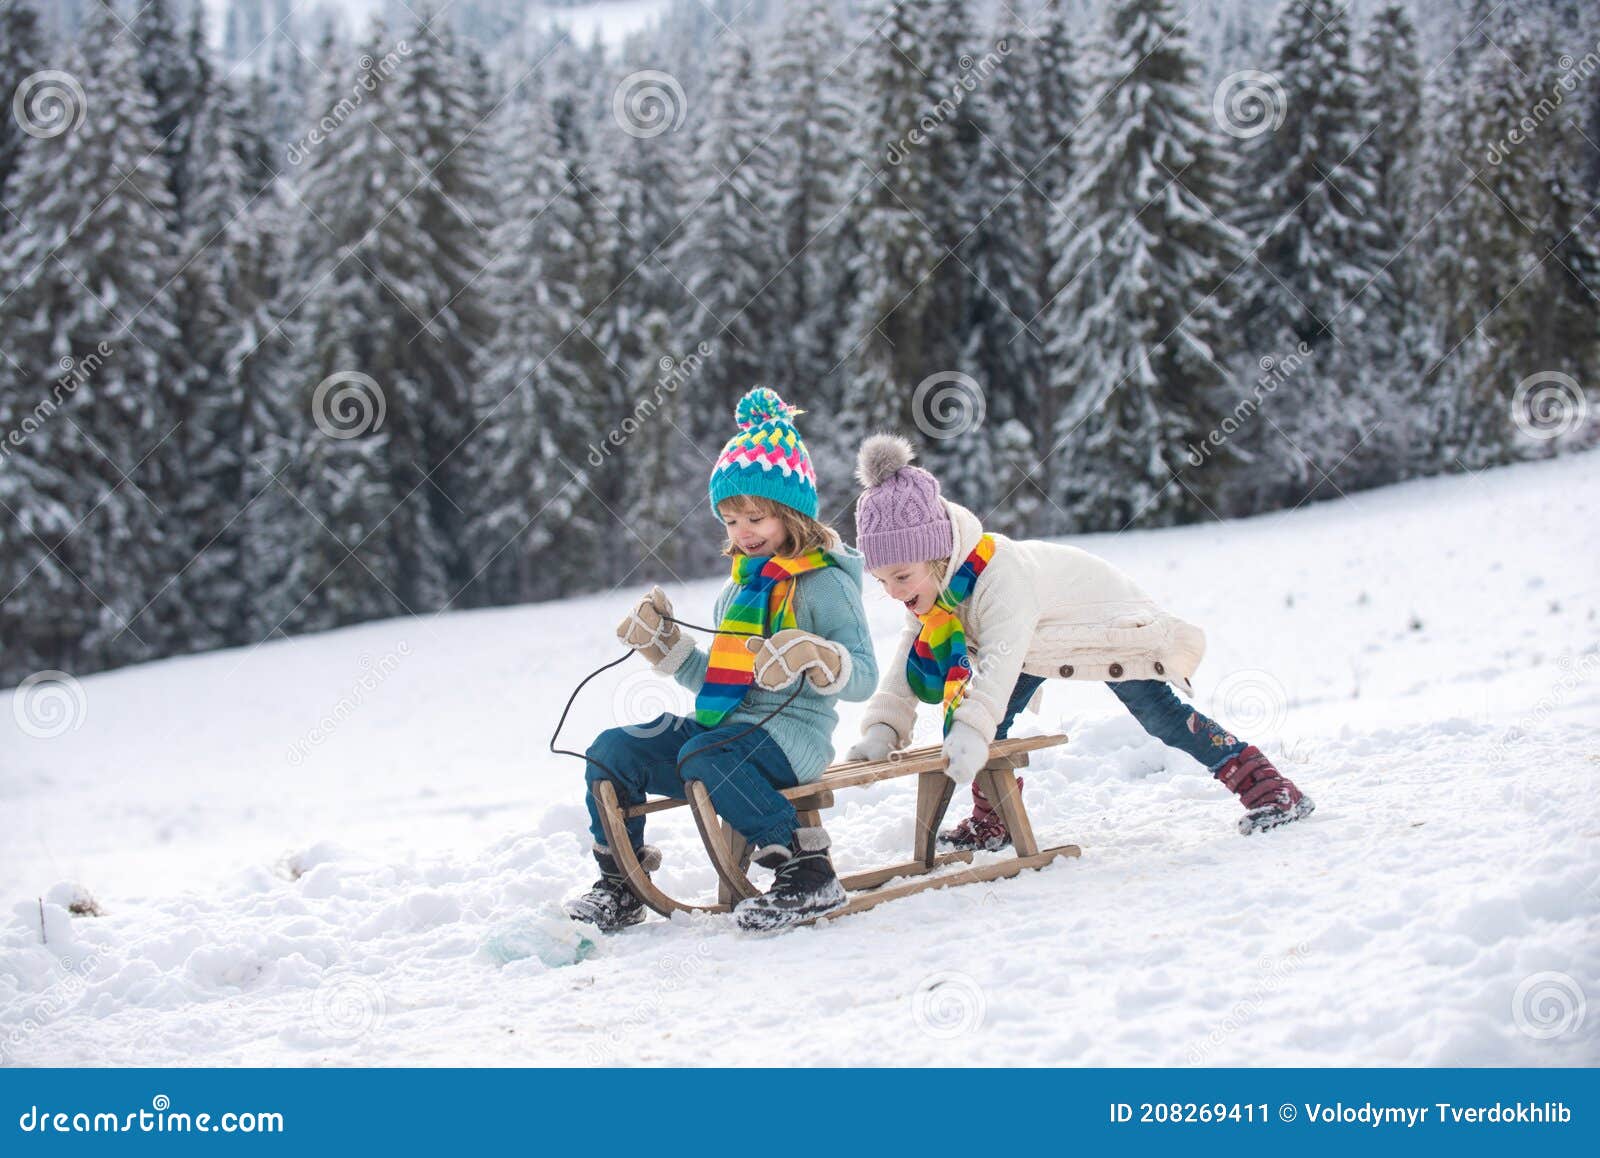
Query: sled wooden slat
x,y
740,852
929,759
730,857
1000,786
996,870
734,885
934,790
605,795
872,878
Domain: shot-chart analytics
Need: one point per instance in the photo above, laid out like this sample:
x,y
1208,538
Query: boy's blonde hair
x,y
802,532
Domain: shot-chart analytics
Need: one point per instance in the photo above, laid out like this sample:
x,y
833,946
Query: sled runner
x,y
730,856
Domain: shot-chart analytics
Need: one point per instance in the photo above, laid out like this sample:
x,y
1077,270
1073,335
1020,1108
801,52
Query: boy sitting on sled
x,y
791,612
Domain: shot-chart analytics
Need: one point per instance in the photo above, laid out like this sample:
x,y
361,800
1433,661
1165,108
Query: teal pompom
x,y
763,405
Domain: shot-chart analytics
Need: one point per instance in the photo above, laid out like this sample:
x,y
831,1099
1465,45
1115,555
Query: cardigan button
x,y
1116,671
1159,669
1066,671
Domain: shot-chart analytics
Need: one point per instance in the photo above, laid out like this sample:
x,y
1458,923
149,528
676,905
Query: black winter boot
x,y
610,904
805,886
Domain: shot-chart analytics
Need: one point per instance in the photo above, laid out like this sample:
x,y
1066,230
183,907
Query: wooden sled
x,y
731,857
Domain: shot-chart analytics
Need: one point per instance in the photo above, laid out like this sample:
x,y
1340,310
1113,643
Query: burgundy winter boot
x,y
1269,797
983,829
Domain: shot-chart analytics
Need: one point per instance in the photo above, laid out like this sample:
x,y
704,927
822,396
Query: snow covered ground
x,y
301,851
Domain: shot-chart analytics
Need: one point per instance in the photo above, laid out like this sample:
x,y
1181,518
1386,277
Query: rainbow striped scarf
x,y
761,604
937,667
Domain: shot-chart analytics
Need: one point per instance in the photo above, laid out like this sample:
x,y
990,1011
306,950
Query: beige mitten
x,y
646,630
789,654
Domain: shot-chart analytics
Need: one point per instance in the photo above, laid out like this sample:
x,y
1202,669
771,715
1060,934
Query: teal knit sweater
x,y
827,602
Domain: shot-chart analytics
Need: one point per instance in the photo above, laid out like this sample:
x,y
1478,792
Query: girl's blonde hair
x,y
802,532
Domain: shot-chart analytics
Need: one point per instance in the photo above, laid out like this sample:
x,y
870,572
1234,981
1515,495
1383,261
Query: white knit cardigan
x,y
1049,610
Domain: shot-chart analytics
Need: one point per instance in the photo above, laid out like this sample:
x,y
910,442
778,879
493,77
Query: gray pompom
x,y
880,456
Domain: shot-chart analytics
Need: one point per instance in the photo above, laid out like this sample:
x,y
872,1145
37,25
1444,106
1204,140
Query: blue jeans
x,y
1159,711
743,777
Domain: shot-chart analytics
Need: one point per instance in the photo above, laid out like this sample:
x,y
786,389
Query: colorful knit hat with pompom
x,y
766,458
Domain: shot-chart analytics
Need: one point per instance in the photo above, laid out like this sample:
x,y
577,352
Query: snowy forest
x,y
310,320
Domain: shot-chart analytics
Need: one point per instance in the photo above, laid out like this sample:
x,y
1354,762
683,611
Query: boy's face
x,y
750,530
911,583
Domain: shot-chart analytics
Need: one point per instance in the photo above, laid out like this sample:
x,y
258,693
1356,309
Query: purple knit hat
x,y
900,517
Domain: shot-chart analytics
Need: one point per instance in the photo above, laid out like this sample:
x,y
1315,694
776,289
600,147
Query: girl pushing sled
x,y
989,619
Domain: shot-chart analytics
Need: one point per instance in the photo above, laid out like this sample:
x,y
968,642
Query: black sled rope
x,y
682,760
